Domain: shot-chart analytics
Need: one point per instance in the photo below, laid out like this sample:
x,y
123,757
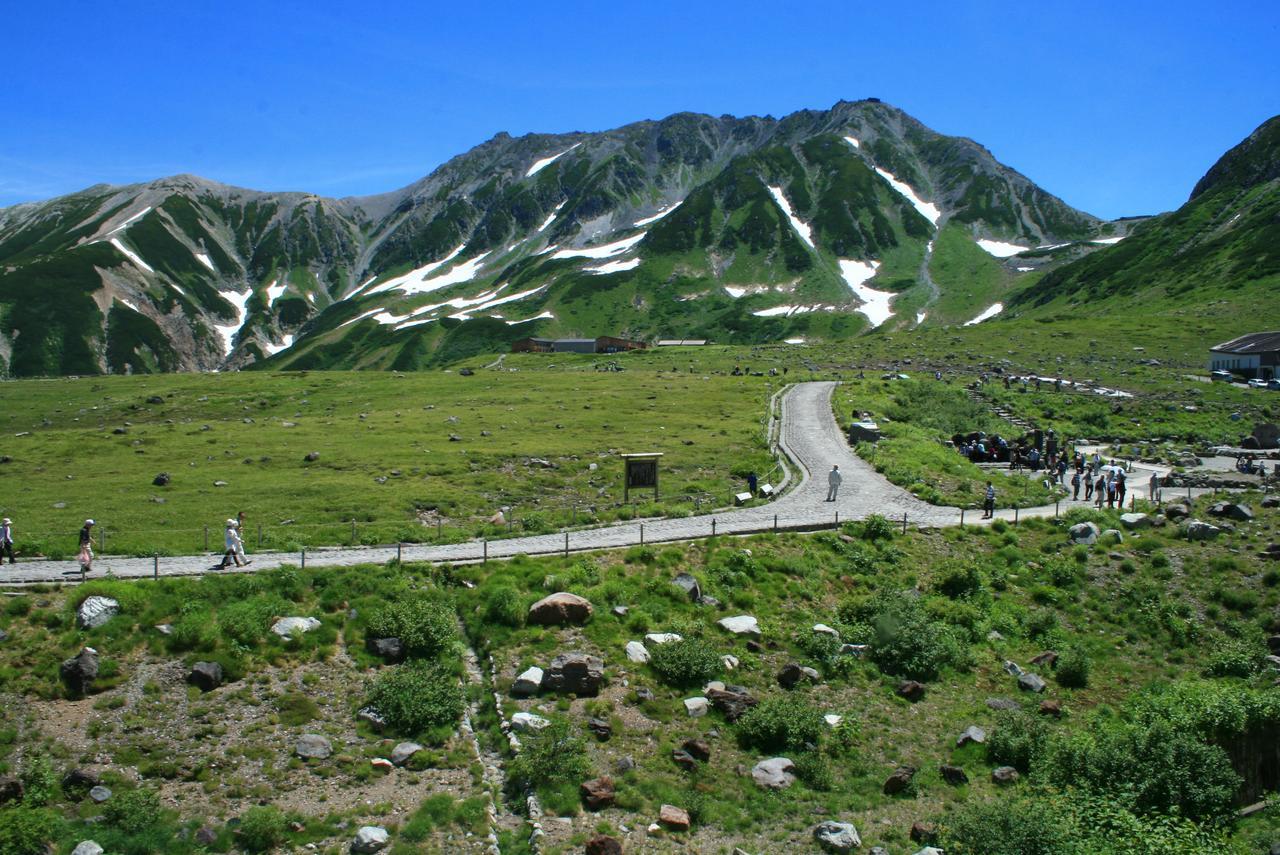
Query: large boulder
x,y
899,781
674,817
741,625
598,793
206,676
910,690
527,722
369,839
87,847
560,609
1004,776
96,611
403,752
953,775
1197,530
574,673
838,837
637,652
1029,682
689,585
663,637
793,673
528,683
312,746
388,649
287,626
1133,521
733,701
79,672
1085,533
603,845
1232,511
696,707
11,789
776,773
972,733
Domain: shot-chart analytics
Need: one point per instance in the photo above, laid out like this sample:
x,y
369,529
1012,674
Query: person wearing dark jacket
x,y
86,547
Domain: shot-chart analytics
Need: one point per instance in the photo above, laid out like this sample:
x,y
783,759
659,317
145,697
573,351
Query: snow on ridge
x,y
928,210
357,318
274,290
539,165
988,313
793,341
228,331
1025,269
1108,241
853,142
205,260
1054,245
285,344
801,227
735,293
421,274
129,304
608,250
614,266
788,311
876,305
551,217
920,316
124,225
653,219
534,318
465,315
1000,249
131,255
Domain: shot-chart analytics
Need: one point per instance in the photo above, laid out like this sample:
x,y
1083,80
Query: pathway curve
x,y
809,436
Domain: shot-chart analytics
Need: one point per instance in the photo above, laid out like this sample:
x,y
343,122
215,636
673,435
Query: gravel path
x,y
809,436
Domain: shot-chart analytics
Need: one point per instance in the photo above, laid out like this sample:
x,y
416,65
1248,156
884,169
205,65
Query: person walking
x,y
1088,485
989,502
244,560
1154,487
233,544
1075,487
6,540
753,481
1100,489
833,482
1121,489
86,547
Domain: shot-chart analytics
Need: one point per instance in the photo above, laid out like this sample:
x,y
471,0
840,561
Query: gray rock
x,y
729,661
972,733
741,625
1233,511
776,773
838,837
87,847
826,630
930,850
899,781
1115,534
99,794
312,746
857,651
79,672
733,701
689,585
11,790
1135,520
161,480
96,611
403,752
663,637
1029,682
1012,668
1004,775
206,676
1003,704
696,707
527,722
637,652
388,649
953,775
621,611
370,838
1197,530
287,626
372,717
1085,532
528,683
560,609
576,673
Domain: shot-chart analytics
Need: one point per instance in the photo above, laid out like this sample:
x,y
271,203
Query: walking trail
x,y
809,437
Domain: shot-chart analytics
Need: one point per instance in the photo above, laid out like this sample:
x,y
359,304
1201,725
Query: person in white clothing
x,y
233,546
833,482
6,539
240,540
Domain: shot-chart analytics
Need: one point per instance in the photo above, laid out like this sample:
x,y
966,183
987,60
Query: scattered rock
x,y
1086,533
1029,682
792,673
689,585
729,661
11,789
1271,502
741,625
838,837
528,683
673,817
87,847
1197,530
603,845
663,637
96,611
527,722
832,720
1004,775
620,611
576,673
598,793
698,749
388,649
78,782
1051,707
1114,535
1135,520
911,690
205,836
858,651
373,717
776,773
287,626
972,733
924,832
733,701
1003,704
560,609
219,483
1049,658
1232,511
79,672
899,781
637,652
313,746
161,480
312,456
382,763
826,630
370,838
206,676
600,728
404,752
953,775
99,794
695,707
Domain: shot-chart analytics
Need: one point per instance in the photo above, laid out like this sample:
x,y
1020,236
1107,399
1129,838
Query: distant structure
x,y
682,342
601,344
1255,355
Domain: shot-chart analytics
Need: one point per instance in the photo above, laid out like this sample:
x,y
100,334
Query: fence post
x,y
837,519
439,528
1055,508
486,550
775,522
962,517
1015,514
102,539
304,558
206,538
566,544
904,522
713,526
642,534
353,532
575,514
259,535
155,566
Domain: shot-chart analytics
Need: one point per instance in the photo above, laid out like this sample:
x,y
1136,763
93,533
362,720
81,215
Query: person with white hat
x,y
233,545
86,547
6,540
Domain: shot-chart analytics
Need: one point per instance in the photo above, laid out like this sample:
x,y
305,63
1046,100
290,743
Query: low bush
x,y
1018,740
417,698
780,723
262,829
27,830
960,579
504,606
133,811
1014,827
906,642
424,626
689,662
1072,668
550,759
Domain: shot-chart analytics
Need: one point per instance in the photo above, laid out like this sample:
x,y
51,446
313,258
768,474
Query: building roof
x,y
1260,342
575,341
675,342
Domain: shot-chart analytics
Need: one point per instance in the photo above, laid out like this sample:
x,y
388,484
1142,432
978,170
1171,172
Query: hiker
x,y
86,547
1111,491
1088,484
240,545
6,540
233,544
1154,487
989,502
1075,487
1100,489
833,482
752,481
1120,488
1062,469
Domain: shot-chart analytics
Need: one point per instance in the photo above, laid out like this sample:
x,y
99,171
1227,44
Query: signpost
x,y
642,473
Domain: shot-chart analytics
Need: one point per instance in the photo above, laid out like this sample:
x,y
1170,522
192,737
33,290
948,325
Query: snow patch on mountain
x,y
274,290
1111,240
228,331
801,227
920,316
928,210
131,255
608,250
1000,249
499,301
420,275
853,142
358,318
988,313
206,261
133,219
551,217
733,292
534,318
788,311
539,165
653,219
614,266
875,304
285,344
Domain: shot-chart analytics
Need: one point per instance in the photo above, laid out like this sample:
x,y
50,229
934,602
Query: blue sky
x,y
1116,107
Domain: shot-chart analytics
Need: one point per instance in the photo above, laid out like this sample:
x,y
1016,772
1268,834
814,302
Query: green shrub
x,y
906,642
876,527
504,606
780,723
1017,740
262,829
813,769
689,662
1072,668
417,697
40,785
1232,658
249,621
27,830
1021,827
551,758
425,627
959,579
132,811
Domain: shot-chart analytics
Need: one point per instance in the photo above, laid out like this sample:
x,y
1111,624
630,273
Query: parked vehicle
x,y
1258,383
1224,376
1274,384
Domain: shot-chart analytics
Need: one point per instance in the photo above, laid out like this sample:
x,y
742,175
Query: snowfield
x,y
801,228
875,304
788,311
988,313
131,255
285,344
1000,249
1110,240
851,141
124,225
414,283
928,210
534,318
419,275
204,259
539,165
614,266
551,217
228,331
653,219
274,290
607,251
920,316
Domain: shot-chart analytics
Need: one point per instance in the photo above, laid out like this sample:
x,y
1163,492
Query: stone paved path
x,y
809,436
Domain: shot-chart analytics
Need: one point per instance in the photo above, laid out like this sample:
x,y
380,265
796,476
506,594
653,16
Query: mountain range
x,y
821,224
